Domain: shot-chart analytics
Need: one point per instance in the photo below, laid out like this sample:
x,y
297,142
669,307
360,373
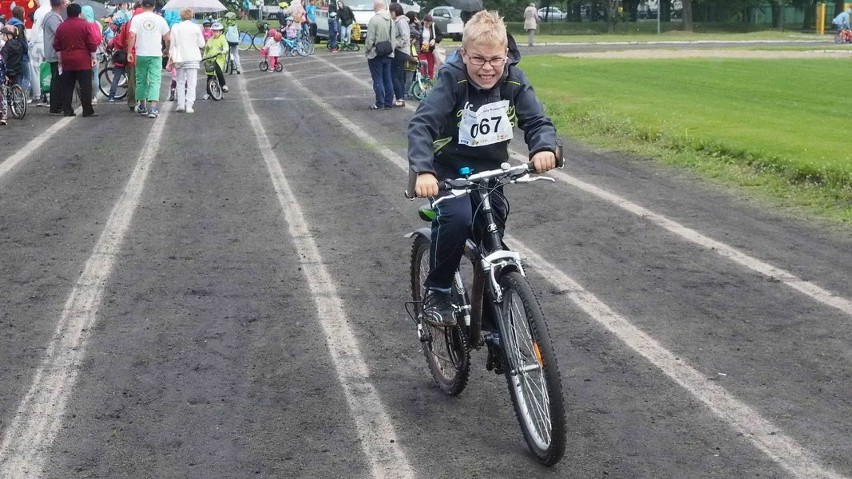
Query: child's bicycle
x,y
843,36
494,307
421,85
264,64
214,89
16,99
348,46
293,46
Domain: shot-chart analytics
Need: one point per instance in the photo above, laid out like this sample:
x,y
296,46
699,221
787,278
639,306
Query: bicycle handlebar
x,y
516,171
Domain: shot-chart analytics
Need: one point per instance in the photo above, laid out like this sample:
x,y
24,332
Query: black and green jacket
x,y
433,132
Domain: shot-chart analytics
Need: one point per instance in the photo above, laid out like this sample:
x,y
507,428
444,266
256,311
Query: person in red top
x,y
76,44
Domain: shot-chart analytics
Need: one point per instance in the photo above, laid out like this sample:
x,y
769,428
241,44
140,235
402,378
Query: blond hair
x,y
186,14
485,28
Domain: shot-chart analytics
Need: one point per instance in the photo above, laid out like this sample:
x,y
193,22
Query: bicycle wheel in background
x,y
246,41
353,47
420,88
214,88
17,102
531,370
445,348
258,40
307,45
105,83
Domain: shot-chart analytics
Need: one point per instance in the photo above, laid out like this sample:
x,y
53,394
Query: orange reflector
x,y
537,353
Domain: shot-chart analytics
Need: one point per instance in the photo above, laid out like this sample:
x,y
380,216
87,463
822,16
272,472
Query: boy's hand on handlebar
x,y
426,185
544,161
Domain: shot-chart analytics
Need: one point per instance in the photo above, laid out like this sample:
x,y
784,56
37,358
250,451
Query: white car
x,y
448,19
363,11
551,14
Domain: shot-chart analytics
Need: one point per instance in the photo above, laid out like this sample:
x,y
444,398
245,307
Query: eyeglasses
x,y
494,62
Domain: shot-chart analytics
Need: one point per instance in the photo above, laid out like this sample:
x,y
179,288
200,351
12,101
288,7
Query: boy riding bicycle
x,y
466,121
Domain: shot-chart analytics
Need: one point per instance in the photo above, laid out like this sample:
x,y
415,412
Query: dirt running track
x,y
220,295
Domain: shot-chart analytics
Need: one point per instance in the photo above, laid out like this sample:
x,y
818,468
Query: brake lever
x,y
530,179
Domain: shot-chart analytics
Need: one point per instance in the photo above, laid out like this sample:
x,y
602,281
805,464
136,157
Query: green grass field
x,y
779,127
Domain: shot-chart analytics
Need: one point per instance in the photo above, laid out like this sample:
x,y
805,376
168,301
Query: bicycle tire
x,y
17,102
105,83
279,67
214,88
246,41
308,45
447,352
264,66
420,89
258,40
531,370
354,47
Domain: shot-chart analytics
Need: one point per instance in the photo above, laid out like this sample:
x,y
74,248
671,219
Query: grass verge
x,y
772,127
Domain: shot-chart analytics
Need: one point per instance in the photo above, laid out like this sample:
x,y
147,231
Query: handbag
x,y
120,57
385,48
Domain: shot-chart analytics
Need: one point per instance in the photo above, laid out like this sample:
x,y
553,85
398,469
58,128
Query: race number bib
x,y
490,124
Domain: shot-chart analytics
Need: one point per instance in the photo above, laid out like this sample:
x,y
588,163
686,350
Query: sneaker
x,y
94,101
2,121
153,113
180,108
189,109
111,100
438,308
140,109
225,88
172,95
205,97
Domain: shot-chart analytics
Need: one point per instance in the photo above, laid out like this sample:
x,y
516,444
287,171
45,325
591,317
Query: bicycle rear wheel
x,y
17,102
531,370
446,350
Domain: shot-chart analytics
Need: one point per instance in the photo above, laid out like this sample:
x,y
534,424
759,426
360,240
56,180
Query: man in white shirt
x,y
149,33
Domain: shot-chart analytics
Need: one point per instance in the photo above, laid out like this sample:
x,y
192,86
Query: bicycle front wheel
x,y
420,88
531,370
214,88
445,348
17,102
246,41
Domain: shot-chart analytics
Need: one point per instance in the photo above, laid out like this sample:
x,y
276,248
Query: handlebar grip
x,y
412,180
560,160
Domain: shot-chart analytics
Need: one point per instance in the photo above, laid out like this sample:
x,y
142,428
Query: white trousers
x,y
186,96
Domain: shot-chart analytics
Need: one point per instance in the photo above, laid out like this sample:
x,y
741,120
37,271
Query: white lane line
x,y
28,438
759,431
805,287
375,429
30,148
762,433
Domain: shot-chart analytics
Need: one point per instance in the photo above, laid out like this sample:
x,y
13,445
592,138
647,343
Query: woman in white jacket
x,y
187,40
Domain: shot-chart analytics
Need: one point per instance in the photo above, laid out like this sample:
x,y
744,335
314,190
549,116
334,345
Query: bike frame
x,y
489,258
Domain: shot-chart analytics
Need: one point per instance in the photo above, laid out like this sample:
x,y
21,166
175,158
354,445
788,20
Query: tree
x,y
687,15
611,14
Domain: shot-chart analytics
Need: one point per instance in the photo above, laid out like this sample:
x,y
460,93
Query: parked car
x,y
363,11
551,14
448,19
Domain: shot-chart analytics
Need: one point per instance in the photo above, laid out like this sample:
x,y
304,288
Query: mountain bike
x,y
16,99
496,309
